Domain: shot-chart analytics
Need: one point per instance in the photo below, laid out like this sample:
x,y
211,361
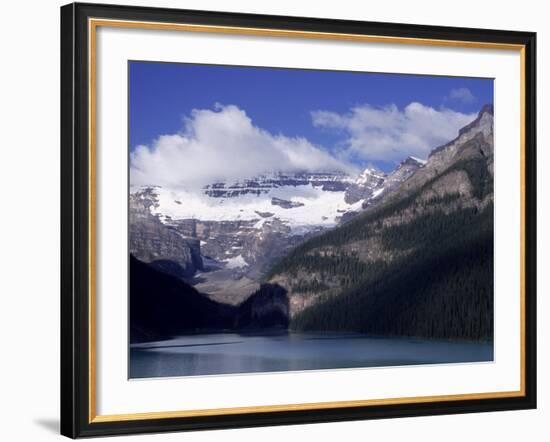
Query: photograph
x,y
284,218
303,219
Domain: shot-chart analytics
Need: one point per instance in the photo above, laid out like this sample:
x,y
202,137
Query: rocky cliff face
x,y
402,173
235,254
152,241
474,142
327,181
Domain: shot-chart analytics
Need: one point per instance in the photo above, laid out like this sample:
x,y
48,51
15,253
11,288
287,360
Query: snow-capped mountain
x,y
301,201
233,231
373,185
365,186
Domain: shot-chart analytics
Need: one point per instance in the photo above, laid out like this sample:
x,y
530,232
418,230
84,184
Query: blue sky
x,y
333,111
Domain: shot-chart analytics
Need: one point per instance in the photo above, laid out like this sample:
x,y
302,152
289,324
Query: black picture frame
x,y
75,221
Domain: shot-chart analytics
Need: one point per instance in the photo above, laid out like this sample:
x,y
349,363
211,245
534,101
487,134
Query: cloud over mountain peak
x,y
223,144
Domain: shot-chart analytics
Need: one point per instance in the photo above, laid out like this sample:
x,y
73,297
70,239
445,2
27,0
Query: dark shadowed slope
x,y
265,308
162,305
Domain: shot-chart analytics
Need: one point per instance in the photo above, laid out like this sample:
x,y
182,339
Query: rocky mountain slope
x,y
419,262
152,241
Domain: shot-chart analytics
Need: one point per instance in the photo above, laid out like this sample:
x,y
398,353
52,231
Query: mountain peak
x,y
413,161
486,109
370,176
372,171
482,124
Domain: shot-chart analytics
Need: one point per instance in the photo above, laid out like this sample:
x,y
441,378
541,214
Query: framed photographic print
x,y
278,220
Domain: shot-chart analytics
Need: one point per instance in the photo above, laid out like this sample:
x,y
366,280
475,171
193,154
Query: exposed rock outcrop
x,y
153,242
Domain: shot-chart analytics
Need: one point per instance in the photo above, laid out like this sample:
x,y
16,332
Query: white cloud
x,y
223,144
390,134
463,95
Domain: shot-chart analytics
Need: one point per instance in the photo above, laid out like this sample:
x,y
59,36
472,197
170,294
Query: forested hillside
x,y
444,289
421,264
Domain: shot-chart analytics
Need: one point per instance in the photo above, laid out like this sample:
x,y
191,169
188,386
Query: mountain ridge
x,y
349,265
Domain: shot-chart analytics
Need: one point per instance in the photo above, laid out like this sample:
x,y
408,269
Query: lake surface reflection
x,y
224,353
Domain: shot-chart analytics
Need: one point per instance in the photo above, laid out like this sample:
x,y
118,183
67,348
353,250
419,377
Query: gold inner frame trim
x,y
93,24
